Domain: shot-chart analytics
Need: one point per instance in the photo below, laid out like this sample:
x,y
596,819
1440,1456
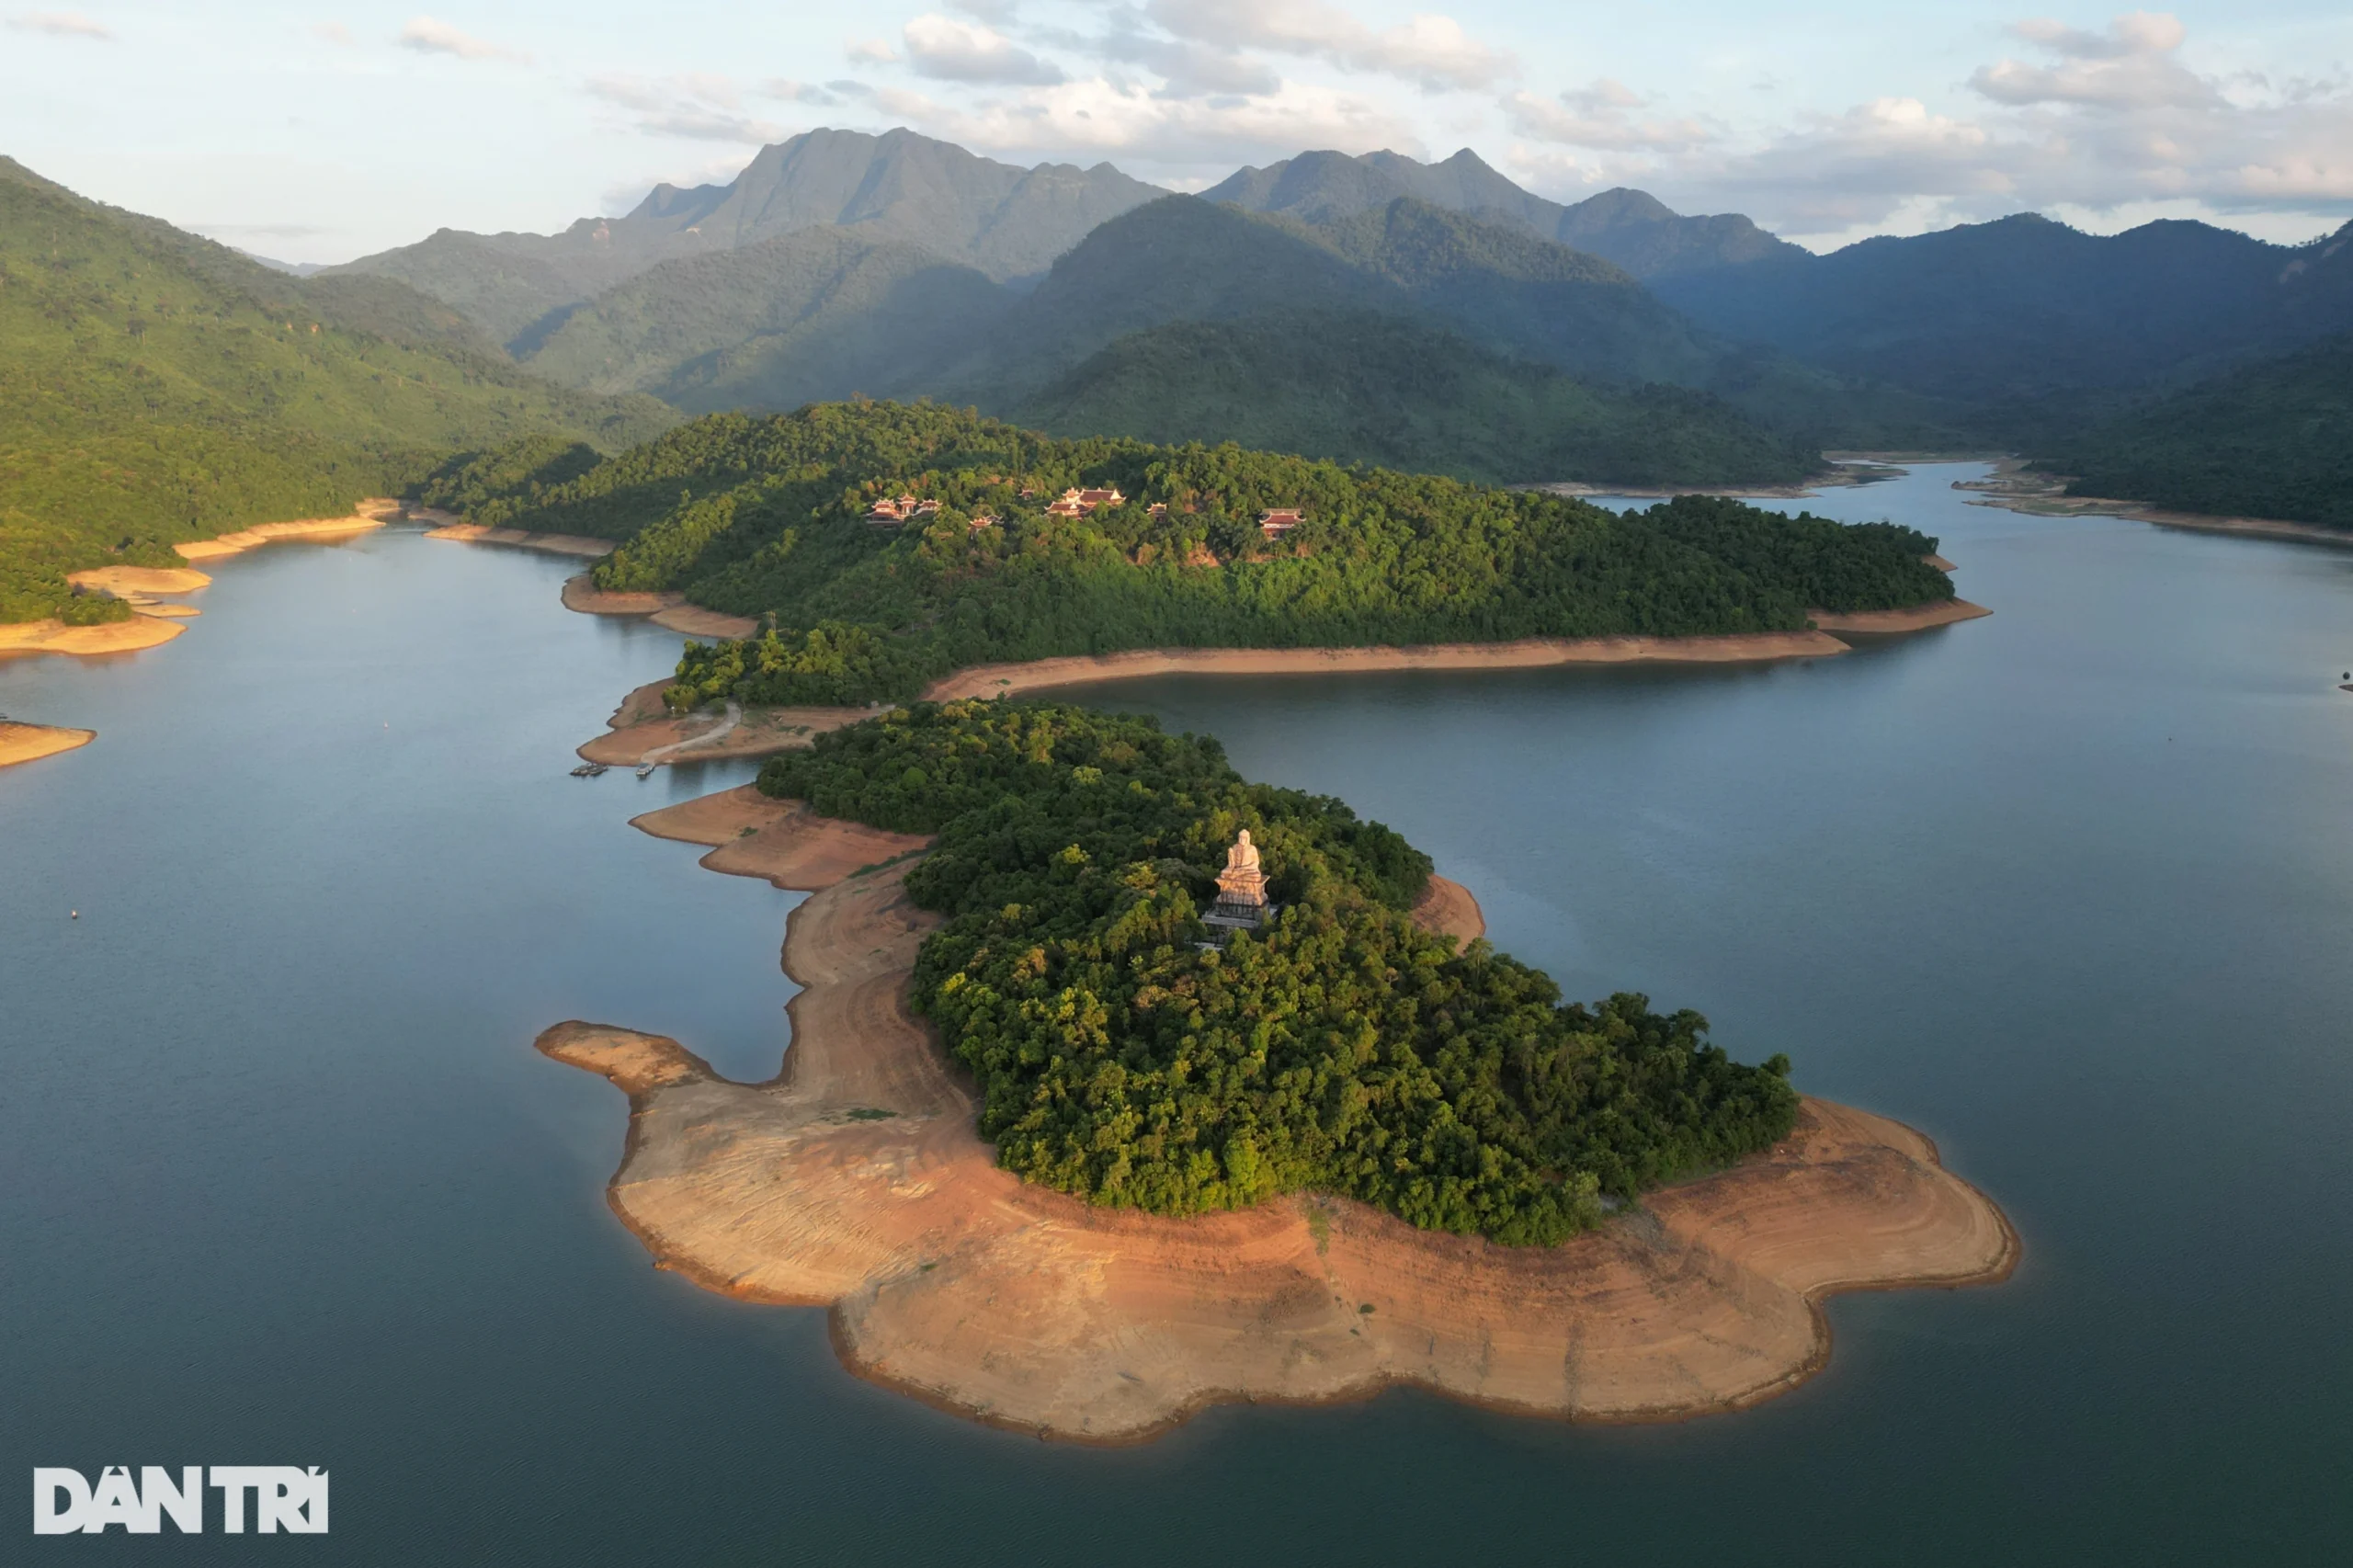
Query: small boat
x,y
646,770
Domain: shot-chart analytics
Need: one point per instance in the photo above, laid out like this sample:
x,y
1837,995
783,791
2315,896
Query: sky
x,y
320,133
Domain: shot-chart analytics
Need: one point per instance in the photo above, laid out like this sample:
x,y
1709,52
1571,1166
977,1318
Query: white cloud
x,y
1601,116
694,105
871,51
2134,65
2117,120
950,51
1432,50
335,33
428,35
62,24
1096,116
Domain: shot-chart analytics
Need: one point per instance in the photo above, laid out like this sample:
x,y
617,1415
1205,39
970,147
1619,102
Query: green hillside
x,y
2273,441
1510,292
156,387
811,315
1374,389
764,517
1338,1046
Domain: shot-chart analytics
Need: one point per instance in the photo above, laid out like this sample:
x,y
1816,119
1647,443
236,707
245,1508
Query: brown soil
x,y
668,610
1886,623
2014,489
993,680
643,723
26,742
521,538
372,514
954,1282
25,637
1447,908
1940,564
136,583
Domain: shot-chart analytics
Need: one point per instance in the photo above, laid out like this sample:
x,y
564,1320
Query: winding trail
x,y
711,737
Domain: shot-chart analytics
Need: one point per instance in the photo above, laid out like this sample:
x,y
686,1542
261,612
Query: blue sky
x,y
320,133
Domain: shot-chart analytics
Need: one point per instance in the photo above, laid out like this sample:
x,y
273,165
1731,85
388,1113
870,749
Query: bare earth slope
x,y
954,1282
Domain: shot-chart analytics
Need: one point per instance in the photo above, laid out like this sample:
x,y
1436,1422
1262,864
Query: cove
x,y
2064,888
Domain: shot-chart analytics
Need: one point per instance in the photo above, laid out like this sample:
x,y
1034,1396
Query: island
x,y
1060,1154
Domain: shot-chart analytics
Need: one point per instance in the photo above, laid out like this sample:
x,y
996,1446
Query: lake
x,y
2068,889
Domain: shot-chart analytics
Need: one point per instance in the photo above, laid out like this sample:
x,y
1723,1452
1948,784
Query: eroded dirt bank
x,y
643,725
29,743
855,1181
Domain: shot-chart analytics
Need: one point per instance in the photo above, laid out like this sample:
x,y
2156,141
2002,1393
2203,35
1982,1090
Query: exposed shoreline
x,y
448,525
643,724
30,743
668,610
1529,652
855,1180
2012,489
153,622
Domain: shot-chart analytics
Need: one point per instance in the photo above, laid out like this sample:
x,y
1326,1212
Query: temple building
x,y
1278,522
1241,892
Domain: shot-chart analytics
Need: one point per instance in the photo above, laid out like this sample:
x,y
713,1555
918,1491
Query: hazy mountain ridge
x,y
802,318
2024,308
1005,222
1630,228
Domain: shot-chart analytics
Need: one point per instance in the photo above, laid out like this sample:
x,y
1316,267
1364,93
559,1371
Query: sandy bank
x,y
668,610
1888,622
643,724
26,743
1532,653
521,538
372,514
136,583
2014,489
1447,908
113,637
953,1282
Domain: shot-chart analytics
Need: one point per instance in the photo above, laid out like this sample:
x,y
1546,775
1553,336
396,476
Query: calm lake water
x,y
2069,889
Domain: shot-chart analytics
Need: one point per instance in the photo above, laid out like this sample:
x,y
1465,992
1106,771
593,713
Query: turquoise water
x,y
2068,888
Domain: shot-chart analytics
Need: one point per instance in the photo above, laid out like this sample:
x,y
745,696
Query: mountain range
x,y
1008,222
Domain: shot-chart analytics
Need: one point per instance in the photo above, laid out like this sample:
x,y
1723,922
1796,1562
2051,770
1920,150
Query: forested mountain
x,y
155,387
1630,228
2274,440
768,518
2025,311
1382,390
1184,259
802,318
1005,222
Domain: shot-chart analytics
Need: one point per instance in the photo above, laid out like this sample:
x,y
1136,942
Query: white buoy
x,y
77,915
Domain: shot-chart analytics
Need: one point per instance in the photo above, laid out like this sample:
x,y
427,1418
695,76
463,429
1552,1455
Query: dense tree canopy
x,y
157,388
1340,1048
764,517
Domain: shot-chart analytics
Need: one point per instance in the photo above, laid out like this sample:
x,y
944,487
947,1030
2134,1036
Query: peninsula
x,y
1188,1181
856,554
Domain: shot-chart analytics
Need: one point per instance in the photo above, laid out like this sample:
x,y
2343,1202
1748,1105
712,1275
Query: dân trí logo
x,y
285,1497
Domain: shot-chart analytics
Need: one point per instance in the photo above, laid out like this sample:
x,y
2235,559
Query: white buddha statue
x,y
1242,881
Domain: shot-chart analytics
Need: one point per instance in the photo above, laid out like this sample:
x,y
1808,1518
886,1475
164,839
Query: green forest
x,y
1340,1048
2271,440
1363,387
157,388
762,517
